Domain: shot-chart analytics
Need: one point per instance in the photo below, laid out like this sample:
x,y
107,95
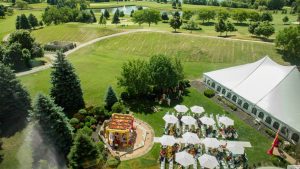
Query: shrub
x,y
101,146
83,112
81,124
98,110
87,118
79,116
118,108
74,121
87,124
93,120
113,162
57,45
86,130
209,93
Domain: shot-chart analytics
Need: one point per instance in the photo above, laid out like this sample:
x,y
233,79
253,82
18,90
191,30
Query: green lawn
x,y
99,64
7,25
75,32
17,150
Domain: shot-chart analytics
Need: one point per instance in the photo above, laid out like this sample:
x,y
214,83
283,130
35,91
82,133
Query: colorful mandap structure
x,y
120,132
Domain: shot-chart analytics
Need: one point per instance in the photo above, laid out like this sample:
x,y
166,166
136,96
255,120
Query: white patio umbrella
x,y
208,161
167,140
183,158
191,138
211,142
226,121
197,109
181,108
171,119
235,149
207,120
188,120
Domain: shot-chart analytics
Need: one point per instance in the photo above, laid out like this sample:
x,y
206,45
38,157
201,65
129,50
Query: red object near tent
x,y
274,144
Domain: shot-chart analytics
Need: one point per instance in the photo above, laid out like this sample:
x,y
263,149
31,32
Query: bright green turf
x,y
75,32
98,66
7,25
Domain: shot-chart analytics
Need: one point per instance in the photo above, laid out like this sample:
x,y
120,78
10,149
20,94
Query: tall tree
x,y
54,123
164,72
106,14
288,40
230,27
66,89
14,57
84,152
110,98
146,16
33,20
14,99
24,23
135,77
175,23
116,19
23,37
220,26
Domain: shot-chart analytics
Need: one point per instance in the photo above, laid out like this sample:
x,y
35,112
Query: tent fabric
x,y
266,84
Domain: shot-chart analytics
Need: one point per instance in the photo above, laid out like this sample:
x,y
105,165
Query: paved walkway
x,y
52,56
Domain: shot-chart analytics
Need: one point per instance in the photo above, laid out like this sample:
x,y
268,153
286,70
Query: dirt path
x,y
52,56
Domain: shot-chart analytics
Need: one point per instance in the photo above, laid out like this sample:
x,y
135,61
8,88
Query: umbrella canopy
x,y
197,109
226,121
183,158
188,120
191,138
167,140
170,119
211,142
181,108
208,121
236,149
208,161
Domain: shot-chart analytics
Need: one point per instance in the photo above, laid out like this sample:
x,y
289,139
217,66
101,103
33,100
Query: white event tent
x,y
266,90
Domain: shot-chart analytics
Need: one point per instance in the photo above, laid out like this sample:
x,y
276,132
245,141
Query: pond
x,y
126,9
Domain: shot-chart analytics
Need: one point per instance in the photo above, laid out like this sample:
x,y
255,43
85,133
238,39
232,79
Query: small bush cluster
x,y
209,93
62,46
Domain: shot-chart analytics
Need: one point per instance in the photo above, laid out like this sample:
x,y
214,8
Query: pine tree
x,y
54,123
33,20
14,99
18,22
102,20
106,14
93,16
116,19
110,98
84,152
66,89
24,23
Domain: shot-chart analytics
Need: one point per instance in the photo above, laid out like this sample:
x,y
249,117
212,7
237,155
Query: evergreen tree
x,y
106,14
110,98
24,23
175,23
14,57
18,22
66,89
220,26
165,17
122,14
174,5
131,13
115,19
83,153
102,20
285,19
93,16
33,20
14,99
2,11
54,123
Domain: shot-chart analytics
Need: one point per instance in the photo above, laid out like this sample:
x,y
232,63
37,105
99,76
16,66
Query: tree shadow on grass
x,y
9,128
241,24
293,60
262,38
145,104
208,24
